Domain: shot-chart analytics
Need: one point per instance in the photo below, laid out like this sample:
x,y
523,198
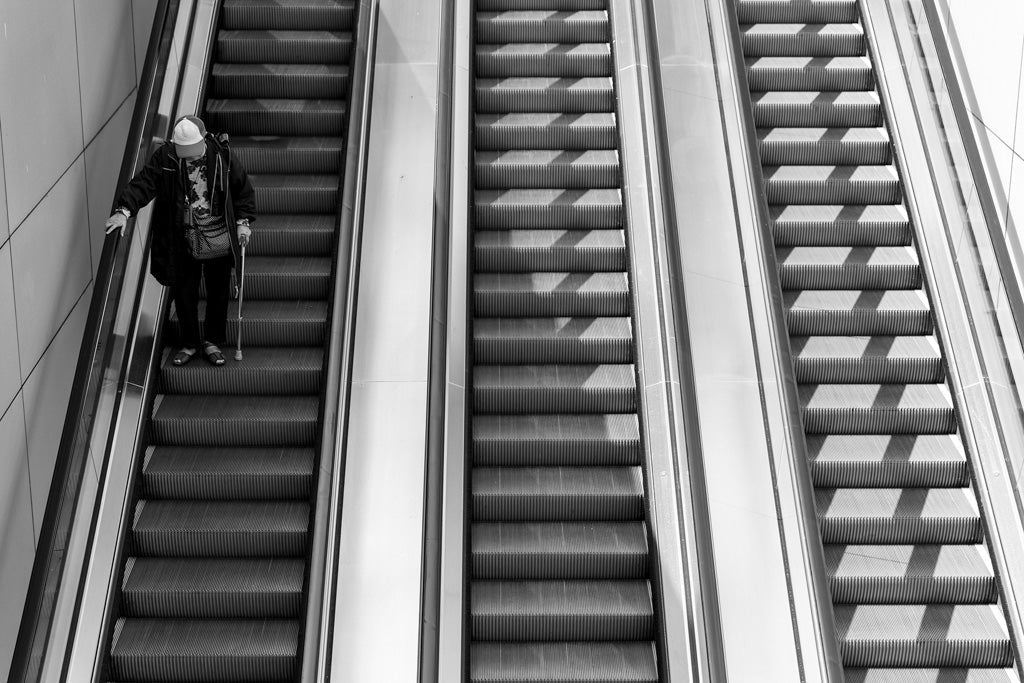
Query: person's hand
x,y
117,221
244,231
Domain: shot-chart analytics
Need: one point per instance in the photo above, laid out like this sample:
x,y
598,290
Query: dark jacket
x,y
164,178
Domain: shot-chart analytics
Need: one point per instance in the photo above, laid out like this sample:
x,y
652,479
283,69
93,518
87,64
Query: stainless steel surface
x,y
377,603
451,618
136,330
319,629
766,551
982,346
678,530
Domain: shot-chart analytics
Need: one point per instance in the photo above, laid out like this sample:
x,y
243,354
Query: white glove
x,y
244,231
117,221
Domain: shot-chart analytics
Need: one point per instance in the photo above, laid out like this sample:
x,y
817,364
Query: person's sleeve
x,y
242,194
141,189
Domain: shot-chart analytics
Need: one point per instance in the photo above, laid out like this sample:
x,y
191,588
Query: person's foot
x,y
183,356
213,354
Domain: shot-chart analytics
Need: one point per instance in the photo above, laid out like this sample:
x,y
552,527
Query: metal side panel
x,y
766,555
975,295
377,604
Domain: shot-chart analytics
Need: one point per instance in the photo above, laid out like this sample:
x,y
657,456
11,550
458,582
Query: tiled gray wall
x,y
989,37
68,76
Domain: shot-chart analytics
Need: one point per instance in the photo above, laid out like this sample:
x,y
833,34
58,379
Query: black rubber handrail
x,y
94,357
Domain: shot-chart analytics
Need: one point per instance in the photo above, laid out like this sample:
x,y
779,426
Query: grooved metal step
x,y
515,251
230,473
858,109
553,550
285,278
557,493
271,323
803,40
325,15
551,294
544,59
306,117
284,47
824,146
234,420
809,73
877,409
848,268
806,11
898,516
893,461
558,131
547,168
841,226
213,588
296,193
874,360
538,440
515,209
204,650
278,80
552,340
535,26
832,185
545,94
857,312
263,371
285,155
554,389
576,662
220,529
561,610
293,235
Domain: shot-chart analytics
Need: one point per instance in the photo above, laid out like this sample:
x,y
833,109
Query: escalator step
x,y
545,131
555,169
296,194
561,610
904,574
802,73
227,473
593,662
560,209
539,26
870,360
824,146
884,461
289,155
217,588
544,59
280,371
557,493
220,529
293,235
877,409
204,650
900,516
308,81
923,635
550,440
234,420
545,94
550,5
285,278
857,109
559,550
554,294
513,251
284,47
552,340
324,15
273,323
277,117
841,226
832,185
808,11
818,313
848,268
554,389
803,40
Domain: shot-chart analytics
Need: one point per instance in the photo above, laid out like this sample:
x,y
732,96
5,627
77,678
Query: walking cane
x,y
241,293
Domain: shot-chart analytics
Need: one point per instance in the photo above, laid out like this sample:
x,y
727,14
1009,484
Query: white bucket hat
x,y
189,137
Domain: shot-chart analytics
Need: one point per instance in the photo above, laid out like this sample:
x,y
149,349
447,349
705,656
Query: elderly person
x,y
204,207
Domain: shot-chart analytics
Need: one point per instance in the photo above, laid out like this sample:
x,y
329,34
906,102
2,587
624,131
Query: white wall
x,y
68,76
989,37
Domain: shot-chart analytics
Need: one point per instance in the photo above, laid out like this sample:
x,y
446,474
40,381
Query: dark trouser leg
x,y
217,273
186,300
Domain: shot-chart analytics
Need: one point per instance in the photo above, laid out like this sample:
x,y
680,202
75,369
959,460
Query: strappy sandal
x,y
213,354
183,356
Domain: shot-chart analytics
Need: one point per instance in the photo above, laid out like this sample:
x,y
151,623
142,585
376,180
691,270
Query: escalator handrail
x,y
93,359
323,569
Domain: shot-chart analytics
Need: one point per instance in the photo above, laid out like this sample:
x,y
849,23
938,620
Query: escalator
x,y
213,583
912,581
558,579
